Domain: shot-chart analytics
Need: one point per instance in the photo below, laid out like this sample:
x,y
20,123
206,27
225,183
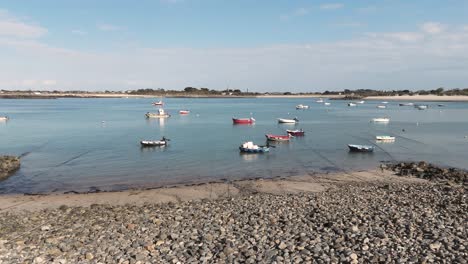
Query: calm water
x,y
67,147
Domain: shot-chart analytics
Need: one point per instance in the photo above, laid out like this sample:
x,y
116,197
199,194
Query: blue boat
x,y
249,147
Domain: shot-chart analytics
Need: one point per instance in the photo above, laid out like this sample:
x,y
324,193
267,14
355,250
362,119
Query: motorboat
x,y
155,143
288,121
296,132
352,104
301,106
381,106
384,102
385,138
406,104
159,103
326,103
319,100
184,112
360,148
236,121
361,102
381,120
249,147
272,137
160,114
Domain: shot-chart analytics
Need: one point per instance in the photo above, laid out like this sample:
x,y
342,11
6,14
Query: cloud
x,y
331,6
432,28
302,11
380,60
79,32
11,26
108,27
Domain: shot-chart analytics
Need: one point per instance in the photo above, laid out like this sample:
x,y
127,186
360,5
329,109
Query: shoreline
x,y
197,191
428,98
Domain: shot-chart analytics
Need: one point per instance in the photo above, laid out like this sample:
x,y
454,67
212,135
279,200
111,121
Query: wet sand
x,y
294,185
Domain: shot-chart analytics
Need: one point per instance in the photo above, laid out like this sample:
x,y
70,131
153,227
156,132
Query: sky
x,y
259,45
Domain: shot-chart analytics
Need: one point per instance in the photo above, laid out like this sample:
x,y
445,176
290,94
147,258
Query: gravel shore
x,y
352,222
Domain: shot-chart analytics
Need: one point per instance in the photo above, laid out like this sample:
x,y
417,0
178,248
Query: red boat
x,y
184,112
243,120
296,133
278,137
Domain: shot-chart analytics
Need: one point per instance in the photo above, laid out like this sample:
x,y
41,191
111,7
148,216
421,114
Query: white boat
x,y
384,102
385,138
319,100
160,114
301,106
421,107
381,106
381,120
326,103
406,104
288,121
154,143
4,118
352,104
361,102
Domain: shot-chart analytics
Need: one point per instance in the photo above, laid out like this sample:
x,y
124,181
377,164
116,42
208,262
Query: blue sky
x,y
257,45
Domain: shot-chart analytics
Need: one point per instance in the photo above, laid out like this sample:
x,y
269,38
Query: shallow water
x,y
66,146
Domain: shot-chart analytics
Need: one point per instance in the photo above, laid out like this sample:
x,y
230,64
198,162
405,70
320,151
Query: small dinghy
x,y
155,143
288,121
4,118
381,106
421,107
326,103
160,114
385,138
296,133
272,137
360,148
385,102
319,101
440,105
406,104
243,120
381,120
361,102
184,112
302,107
250,147
352,104
160,103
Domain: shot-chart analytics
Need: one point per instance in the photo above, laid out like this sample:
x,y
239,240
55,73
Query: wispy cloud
x,y
302,11
432,27
109,27
331,6
79,32
12,26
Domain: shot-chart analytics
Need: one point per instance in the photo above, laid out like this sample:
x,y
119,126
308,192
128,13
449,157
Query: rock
x,y
8,165
89,256
38,260
353,256
282,245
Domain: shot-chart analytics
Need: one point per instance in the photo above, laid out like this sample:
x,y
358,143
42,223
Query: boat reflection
x,y
249,157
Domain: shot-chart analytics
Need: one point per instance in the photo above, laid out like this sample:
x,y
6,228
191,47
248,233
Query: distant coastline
x,y
52,95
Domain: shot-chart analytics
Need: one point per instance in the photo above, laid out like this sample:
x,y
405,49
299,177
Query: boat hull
x,y
360,148
287,121
249,150
243,121
149,143
295,133
278,137
157,116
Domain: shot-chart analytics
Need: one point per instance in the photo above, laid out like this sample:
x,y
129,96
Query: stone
x,y
89,256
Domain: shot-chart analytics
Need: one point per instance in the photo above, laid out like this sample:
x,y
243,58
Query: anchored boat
x,y
381,120
301,106
352,104
155,143
296,132
385,138
421,107
160,114
360,148
159,103
272,137
4,118
406,104
243,120
288,121
249,147
184,112
381,106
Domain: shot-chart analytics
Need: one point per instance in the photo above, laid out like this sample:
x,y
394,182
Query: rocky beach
x,y
334,218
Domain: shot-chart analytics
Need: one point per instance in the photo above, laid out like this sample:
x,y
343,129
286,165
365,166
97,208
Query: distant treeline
x,y
190,91
369,92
